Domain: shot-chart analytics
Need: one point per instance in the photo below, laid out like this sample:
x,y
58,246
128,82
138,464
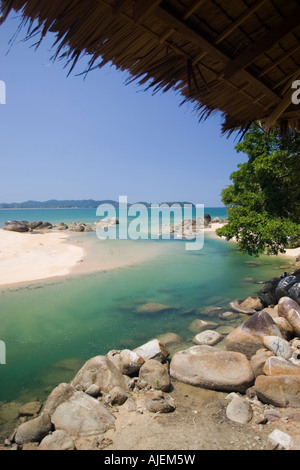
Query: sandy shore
x,y
26,257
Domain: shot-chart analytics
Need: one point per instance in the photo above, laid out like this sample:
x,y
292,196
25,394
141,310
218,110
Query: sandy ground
x,y
27,257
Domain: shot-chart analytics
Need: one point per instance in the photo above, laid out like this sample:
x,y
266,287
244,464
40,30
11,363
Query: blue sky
x,y
74,138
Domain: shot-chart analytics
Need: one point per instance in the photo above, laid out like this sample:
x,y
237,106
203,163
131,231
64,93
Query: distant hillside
x,y
68,204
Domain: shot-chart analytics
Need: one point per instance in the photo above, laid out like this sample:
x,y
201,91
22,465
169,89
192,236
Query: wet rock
x,y
248,337
34,225
82,415
30,409
156,375
279,390
247,306
45,226
154,308
16,226
169,338
198,325
34,430
208,337
294,292
154,349
212,368
228,316
159,402
284,285
58,440
239,410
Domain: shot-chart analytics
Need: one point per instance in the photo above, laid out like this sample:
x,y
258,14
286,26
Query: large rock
x,y
212,368
239,410
156,375
284,285
16,226
247,306
154,349
285,304
258,361
33,430
128,362
294,292
290,310
279,390
267,293
58,440
208,337
59,394
248,337
101,371
280,366
279,346
82,415
198,325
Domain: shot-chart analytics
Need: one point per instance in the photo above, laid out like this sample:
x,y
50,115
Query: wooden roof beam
x,y
143,7
206,46
279,60
280,108
239,21
193,8
263,44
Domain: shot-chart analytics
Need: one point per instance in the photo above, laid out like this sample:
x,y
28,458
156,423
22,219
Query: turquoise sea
x,y
51,327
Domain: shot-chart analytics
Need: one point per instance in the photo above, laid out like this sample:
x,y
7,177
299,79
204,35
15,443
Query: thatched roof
x,y
238,57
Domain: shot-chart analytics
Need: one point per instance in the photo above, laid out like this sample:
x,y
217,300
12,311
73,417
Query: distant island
x,y
71,204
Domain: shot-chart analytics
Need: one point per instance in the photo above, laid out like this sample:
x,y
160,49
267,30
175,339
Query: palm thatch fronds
x,y
236,57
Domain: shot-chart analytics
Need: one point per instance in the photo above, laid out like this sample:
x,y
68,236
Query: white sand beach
x,y
28,257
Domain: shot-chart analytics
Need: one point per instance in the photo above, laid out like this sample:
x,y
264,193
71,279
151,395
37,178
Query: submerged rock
x,y
154,308
208,337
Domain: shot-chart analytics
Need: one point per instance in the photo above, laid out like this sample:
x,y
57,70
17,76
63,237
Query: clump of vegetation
x,y
264,200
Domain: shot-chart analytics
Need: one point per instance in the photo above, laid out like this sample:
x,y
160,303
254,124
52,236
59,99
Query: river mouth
x,y
52,327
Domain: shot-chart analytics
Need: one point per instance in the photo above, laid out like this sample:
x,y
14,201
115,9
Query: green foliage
x,y
264,200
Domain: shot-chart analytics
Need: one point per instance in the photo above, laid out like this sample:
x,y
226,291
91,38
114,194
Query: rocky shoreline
x,y
254,378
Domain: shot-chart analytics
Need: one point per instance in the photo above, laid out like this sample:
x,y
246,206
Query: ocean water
x,y
50,328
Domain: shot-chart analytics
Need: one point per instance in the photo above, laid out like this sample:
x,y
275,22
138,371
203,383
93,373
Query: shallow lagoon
x,y
51,327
